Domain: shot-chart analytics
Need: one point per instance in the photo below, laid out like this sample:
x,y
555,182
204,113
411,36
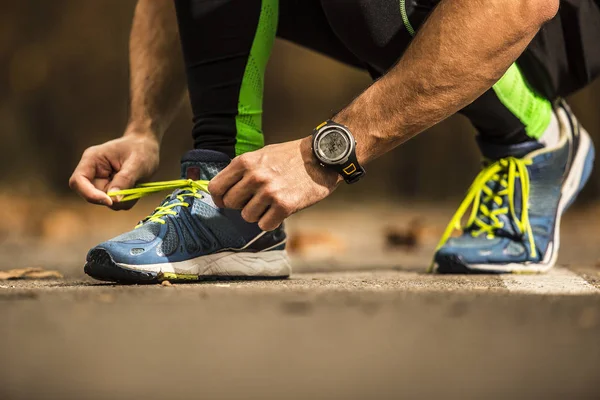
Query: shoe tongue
x,y
494,151
510,229
203,164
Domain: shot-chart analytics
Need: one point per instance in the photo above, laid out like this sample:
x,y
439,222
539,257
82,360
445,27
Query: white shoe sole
x,y
267,264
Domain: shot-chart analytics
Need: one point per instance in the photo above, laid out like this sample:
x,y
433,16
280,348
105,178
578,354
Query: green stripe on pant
x,y
533,110
249,118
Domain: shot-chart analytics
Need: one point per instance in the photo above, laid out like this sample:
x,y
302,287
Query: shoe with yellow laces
x,y
516,204
189,238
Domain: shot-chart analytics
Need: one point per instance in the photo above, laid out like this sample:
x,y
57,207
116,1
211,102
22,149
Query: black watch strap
x,y
351,171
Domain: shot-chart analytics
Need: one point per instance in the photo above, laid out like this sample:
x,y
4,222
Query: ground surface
x,y
357,320
378,334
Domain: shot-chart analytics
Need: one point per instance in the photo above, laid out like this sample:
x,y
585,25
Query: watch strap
x,y
351,171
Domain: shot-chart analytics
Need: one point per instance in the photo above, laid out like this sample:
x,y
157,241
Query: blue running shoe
x,y
188,237
516,203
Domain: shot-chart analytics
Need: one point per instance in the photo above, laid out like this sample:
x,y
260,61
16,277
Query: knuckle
x,y
261,177
253,179
284,209
244,160
270,192
248,217
215,189
90,151
230,202
280,203
258,177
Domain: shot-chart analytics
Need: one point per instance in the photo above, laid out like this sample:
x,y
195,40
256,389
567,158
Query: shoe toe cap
x,y
124,253
463,254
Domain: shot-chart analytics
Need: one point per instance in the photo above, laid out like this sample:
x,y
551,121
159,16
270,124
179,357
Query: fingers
x,y
81,182
123,205
124,179
226,179
238,196
272,218
255,209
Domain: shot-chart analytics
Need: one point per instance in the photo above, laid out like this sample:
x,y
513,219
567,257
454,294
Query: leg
x,y
499,236
537,160
294,18
565,55
226,46
378,31
511,112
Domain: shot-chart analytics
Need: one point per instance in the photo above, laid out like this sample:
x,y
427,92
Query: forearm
x,y
157,75
461,51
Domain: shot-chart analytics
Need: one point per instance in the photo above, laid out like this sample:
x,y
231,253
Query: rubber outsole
x,y
454,264
102,267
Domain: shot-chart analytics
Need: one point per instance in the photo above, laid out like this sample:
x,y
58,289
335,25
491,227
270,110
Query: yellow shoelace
x,y
188,188
504,171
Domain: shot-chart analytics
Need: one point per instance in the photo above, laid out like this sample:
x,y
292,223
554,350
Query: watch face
x,y
333,145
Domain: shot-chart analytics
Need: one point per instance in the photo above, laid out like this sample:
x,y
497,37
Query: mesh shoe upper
x,y
508,243
196,228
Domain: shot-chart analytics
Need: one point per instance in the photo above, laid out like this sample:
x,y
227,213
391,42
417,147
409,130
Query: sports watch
x,y
335,148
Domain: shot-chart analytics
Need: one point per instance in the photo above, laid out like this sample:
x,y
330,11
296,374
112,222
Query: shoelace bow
x,y
504,171
187,187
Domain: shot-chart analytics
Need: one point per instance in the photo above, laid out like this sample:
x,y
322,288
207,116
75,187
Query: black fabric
x,y
375,31
216,38
204,156
494,121
565,55
304,23
495,151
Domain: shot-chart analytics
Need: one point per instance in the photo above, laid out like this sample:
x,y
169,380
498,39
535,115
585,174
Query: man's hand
x,y
115,165
272,183
157,89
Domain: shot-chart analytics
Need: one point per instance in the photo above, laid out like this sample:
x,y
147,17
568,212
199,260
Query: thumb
x,y
124,179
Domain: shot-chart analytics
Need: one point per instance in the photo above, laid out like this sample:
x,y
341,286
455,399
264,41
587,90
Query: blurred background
x,y
64,87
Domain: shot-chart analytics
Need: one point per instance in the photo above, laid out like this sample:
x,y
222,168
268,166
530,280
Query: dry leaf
x,y
29,273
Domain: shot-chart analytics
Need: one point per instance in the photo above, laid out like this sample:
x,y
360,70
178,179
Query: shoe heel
x,y
588,165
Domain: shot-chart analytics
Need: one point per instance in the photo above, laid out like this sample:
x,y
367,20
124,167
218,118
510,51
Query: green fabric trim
x,y
249,119
533,110
405,18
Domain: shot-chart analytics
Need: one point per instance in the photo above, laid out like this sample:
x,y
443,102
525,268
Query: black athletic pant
x,y
219,39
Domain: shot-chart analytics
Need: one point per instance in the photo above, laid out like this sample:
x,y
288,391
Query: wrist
x,y
142,130
315,169
346,118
